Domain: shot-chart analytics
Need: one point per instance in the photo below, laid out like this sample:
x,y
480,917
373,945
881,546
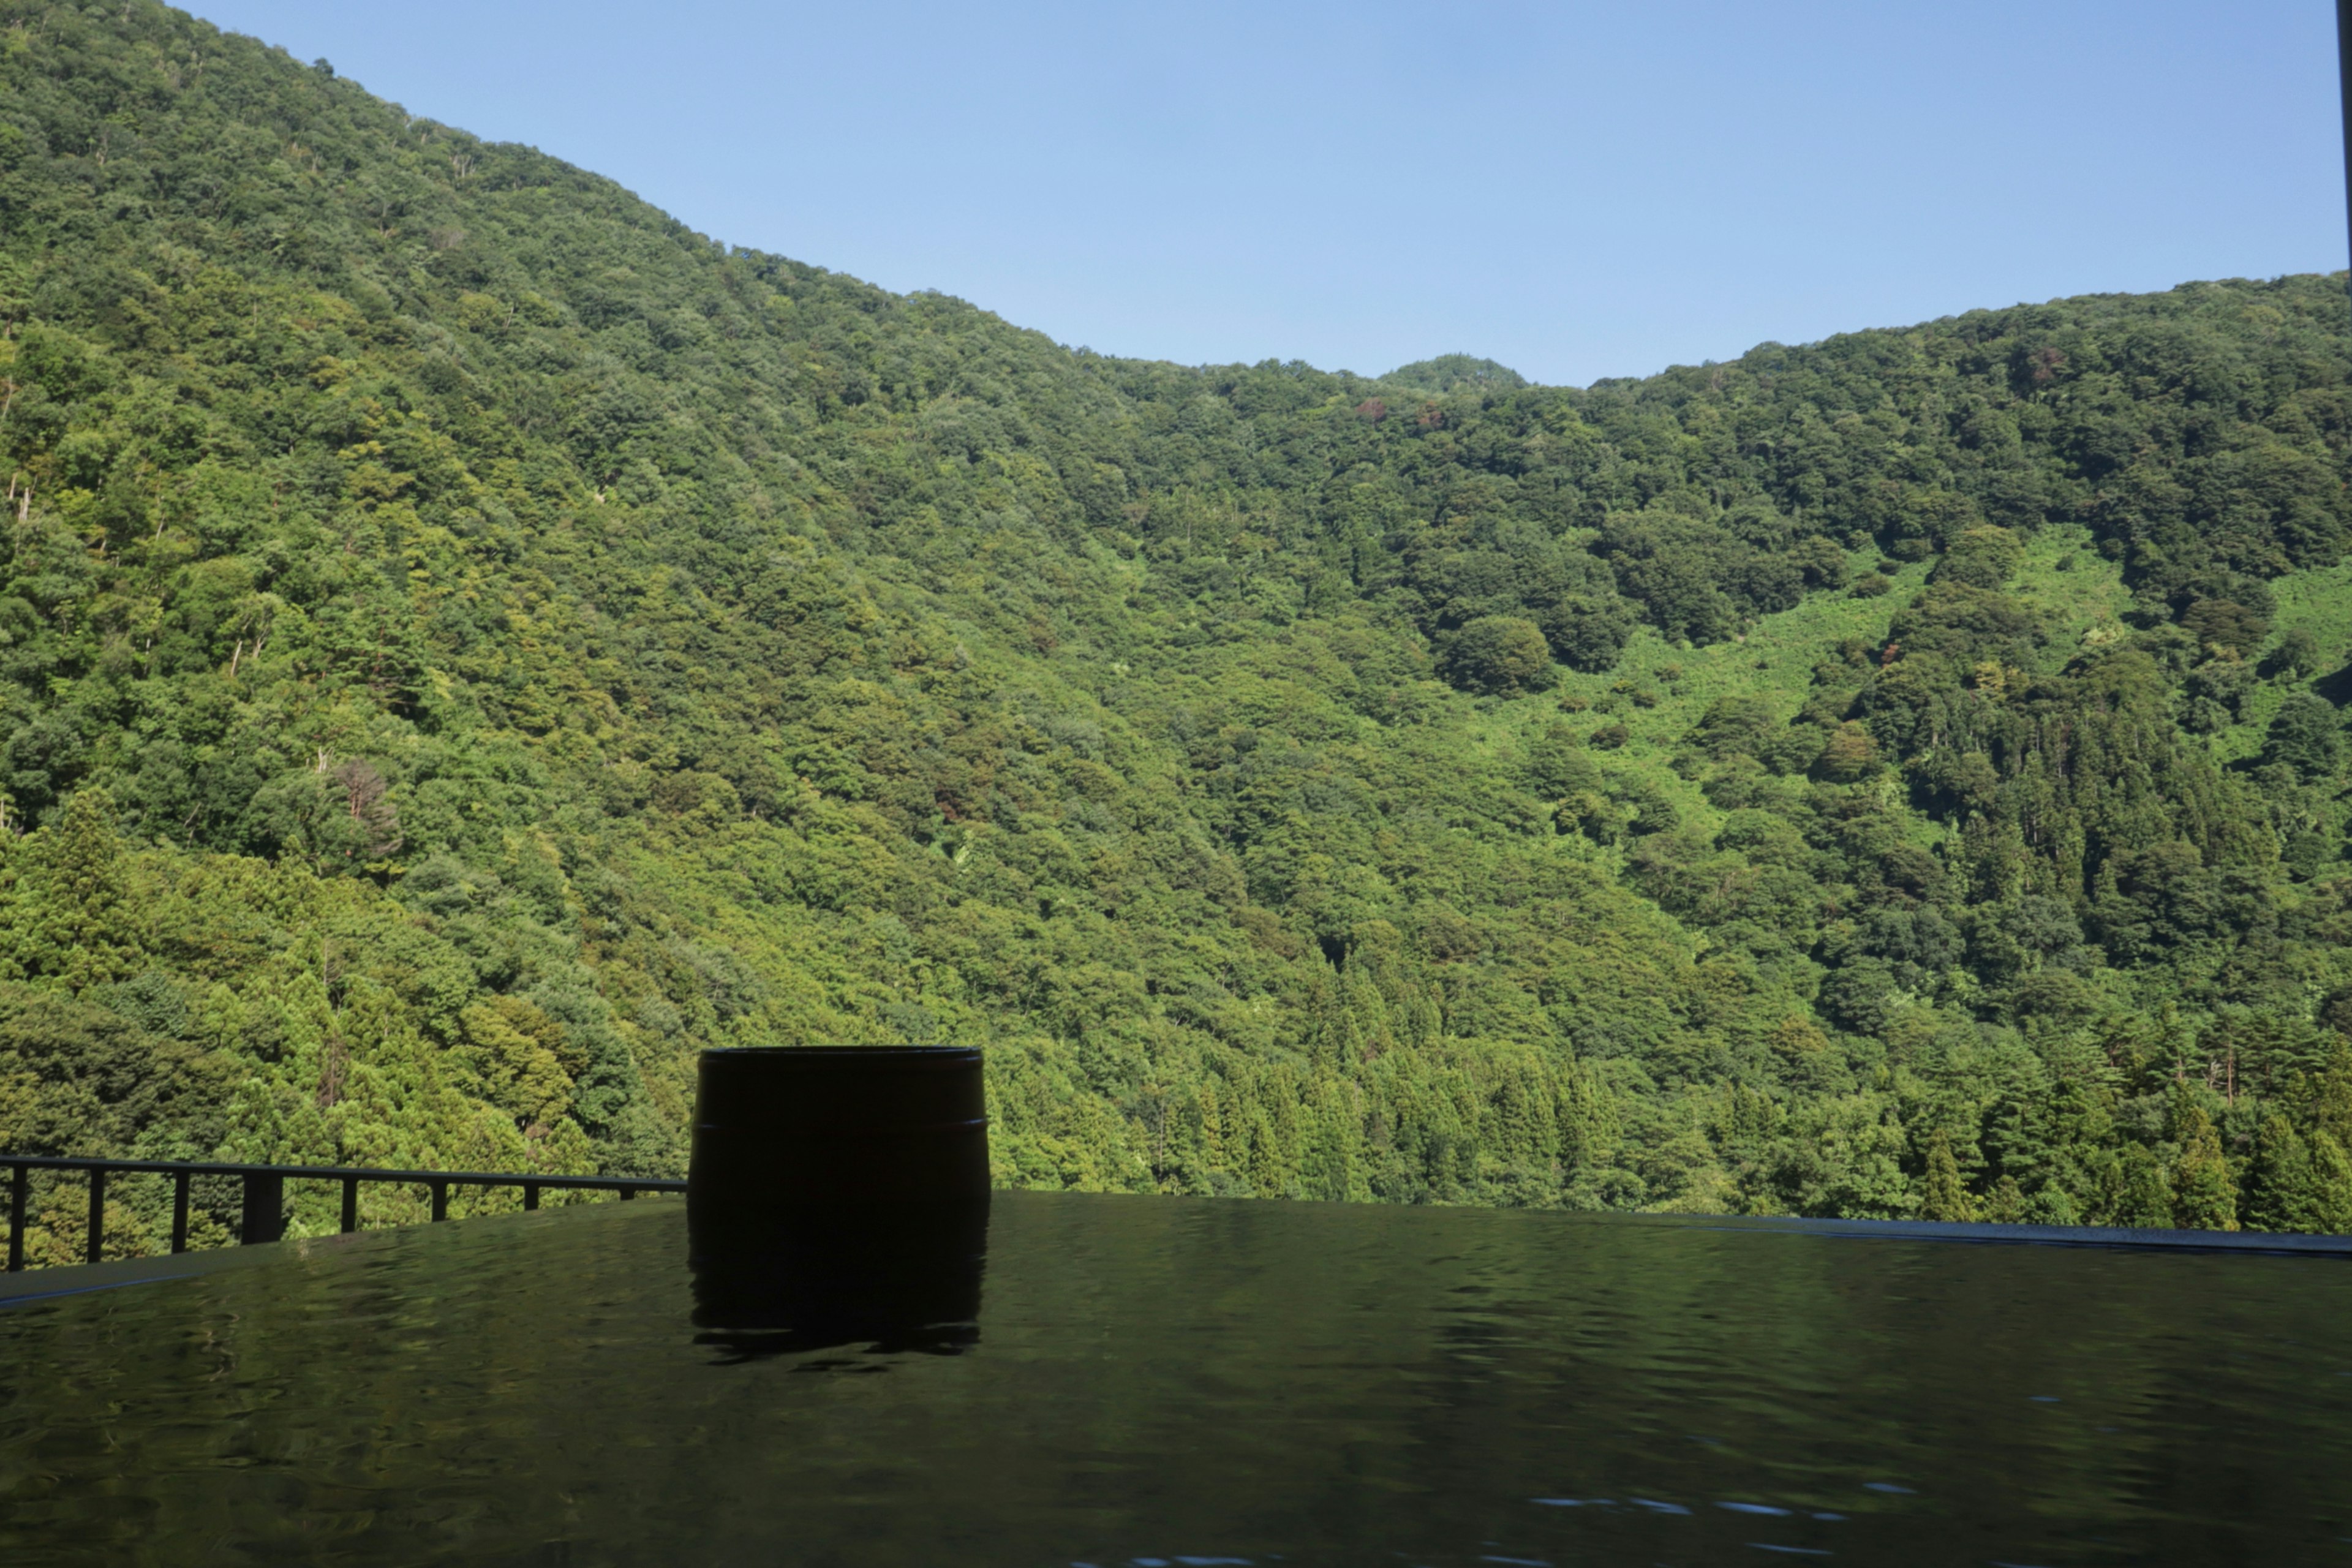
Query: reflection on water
x,y
1164,1382
838,1195
897,1280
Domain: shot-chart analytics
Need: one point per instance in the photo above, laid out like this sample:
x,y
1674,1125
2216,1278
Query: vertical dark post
x,y
97,1248
264,1207
628,1193
531,1195
2344,77
179,1211
19,1179
351,1205
440,1200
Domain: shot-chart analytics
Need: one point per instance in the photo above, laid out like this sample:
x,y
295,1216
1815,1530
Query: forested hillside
x,y
467,642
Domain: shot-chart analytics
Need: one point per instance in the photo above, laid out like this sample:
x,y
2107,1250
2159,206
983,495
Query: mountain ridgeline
x,y
467,642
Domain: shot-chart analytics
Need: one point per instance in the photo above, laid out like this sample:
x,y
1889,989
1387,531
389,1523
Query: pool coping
x,y
2112,1237
33,1285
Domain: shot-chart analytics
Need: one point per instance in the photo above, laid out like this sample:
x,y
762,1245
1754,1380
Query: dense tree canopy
x,y
468,641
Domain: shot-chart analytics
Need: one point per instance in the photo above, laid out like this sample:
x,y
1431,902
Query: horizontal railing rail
x,y
263,1207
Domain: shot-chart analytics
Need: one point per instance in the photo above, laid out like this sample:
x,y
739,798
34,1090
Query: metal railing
x,y
263,1208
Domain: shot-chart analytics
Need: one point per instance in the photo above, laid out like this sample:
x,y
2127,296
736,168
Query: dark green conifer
x,y
2204,1193
1942,1196
73,919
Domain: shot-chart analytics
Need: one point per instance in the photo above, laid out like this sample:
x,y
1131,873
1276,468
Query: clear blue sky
x,y
1578,190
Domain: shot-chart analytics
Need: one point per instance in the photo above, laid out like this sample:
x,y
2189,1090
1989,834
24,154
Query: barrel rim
x,y
846,1053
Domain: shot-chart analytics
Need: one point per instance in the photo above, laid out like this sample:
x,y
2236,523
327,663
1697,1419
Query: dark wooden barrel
x,y
837,1194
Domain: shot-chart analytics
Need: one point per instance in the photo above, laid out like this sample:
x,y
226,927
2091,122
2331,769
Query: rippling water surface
x,y
1166,1382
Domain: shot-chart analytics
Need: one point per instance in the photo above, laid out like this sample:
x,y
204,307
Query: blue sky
x,y
1577,190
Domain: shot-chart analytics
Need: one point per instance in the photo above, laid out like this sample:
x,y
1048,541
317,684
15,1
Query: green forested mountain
x,y
468,641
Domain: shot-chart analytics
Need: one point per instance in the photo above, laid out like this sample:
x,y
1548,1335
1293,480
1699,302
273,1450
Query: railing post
x,y
19,1178
180,1210
351,1205
265,1208
440,1200
97,1248
531,1195
628,1193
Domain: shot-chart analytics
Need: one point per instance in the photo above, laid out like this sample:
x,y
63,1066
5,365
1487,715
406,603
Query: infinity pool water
x,y
1160,1382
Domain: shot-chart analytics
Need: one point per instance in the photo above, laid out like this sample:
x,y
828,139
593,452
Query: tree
x,y
2299,1184
1942,1197
1849,755
1739,725
73,919
2296,656
2306,734
1588,631
1821,561
82,1080
2204,1194
2142,1196
1500,656
1981,557
339,816
2226,624
1558,765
